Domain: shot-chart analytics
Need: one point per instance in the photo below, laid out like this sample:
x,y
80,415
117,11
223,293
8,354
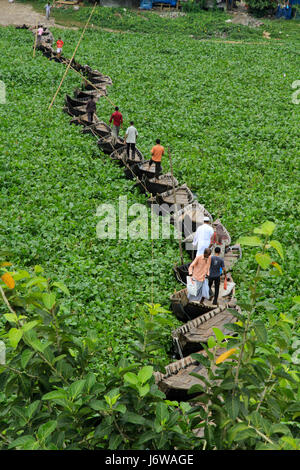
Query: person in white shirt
x,y
130,139
203,235
48,10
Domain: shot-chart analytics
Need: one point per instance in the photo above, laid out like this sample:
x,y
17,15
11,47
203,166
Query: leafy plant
x,y
251,398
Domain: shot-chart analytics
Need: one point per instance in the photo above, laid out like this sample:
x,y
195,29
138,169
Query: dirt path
x,y
19,14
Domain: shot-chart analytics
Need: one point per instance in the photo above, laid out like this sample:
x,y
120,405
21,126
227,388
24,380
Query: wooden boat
x,y
120,155
100,129
46,50
86,94
96,75
74,101
75,110
177,379
232,255
83,120
186,310
100,80
143,169
101,87
190,217
159,185
109,143
183,194
188,338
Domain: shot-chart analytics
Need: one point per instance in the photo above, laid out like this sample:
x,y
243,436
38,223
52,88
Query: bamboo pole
x,y
67,69
176,209
35,40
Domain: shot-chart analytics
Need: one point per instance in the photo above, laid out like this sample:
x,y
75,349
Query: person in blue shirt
x,y
216,267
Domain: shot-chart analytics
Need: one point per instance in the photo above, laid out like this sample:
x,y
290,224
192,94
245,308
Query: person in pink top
x,y
39,34
199,270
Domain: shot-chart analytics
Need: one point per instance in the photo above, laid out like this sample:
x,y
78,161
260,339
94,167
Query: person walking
x,y
216,267
91,109
203,236
157,152
48,10
59,45
117,119
199,270
130,140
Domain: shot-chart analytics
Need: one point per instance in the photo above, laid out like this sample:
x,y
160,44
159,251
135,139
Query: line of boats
x,y
187,214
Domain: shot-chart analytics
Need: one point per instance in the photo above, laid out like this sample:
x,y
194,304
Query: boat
x,y
189,338
109,143
75,101
159,185
99,129
93,74
105,81
46,50
86,94
101,87
83,120
75,110
183,195
143,169
186,310
120,155
190,217
177,380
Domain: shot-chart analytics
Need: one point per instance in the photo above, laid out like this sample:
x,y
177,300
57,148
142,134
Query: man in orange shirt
x,y
157,152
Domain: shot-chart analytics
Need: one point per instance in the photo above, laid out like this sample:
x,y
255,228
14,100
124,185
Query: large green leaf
x,y
278,247
162,412
145,374
261,331
232,405
267,228
14,336
49,300
250,241
263,260
131,378
46,429
76,388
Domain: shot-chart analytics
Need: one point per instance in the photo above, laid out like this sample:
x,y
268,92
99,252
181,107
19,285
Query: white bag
x,y
191,286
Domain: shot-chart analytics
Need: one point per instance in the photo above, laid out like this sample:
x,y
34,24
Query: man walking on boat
x,y
216,267
91,109
157,152
59,45
48,10
203,236
117,119
199,270
130,139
